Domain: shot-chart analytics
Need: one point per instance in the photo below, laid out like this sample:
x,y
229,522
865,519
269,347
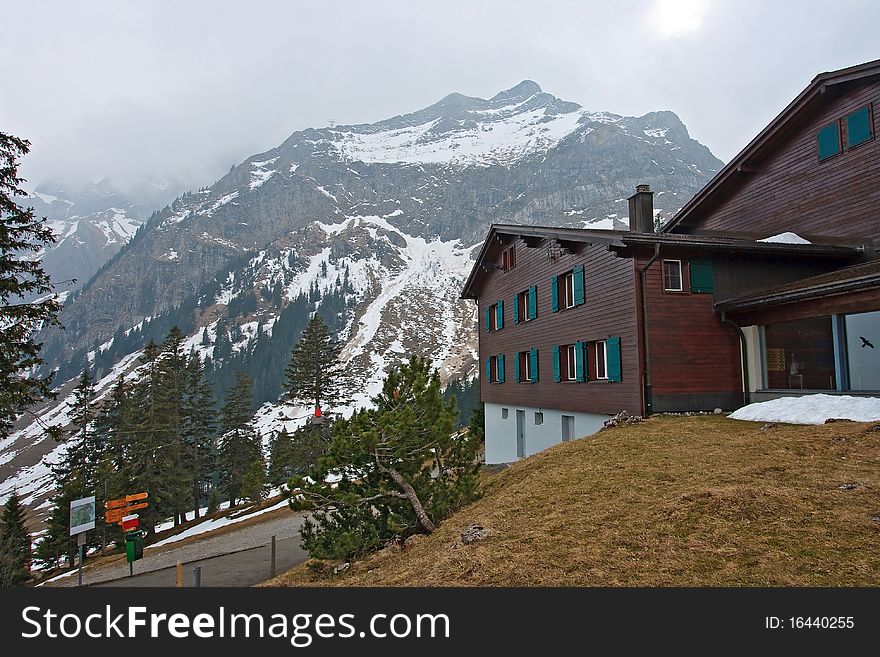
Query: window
x,y
800,354
495,317
672,275
508,258
605,359
858,126
567,290
525,305
495,368
525,366
829,141
702,276
569,362
504,413
600,351
539,418
863,350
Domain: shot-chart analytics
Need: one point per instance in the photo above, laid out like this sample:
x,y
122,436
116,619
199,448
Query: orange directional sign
x,y
122,501
135,507
114,515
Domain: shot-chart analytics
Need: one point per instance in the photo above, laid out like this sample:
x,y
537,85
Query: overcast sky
x,y
185,89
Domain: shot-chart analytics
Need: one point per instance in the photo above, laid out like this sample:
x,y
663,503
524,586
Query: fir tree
x,y
315,375
176,476
279,457
15,544
199,430
75,474
239,442
403,469
21,276
253,483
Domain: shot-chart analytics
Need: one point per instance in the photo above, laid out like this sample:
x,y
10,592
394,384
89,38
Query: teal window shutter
x,y
488,319
702,276
516,309
516,375
500,319
554,296
858,127
533,302
583,354
579,361
612,365
829,141
500,368
488,370
556,376
533,358
578,273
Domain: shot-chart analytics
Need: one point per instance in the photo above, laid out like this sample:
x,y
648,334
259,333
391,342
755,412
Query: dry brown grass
x,y
674,501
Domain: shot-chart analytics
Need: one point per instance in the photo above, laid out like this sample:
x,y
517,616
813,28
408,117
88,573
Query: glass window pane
x,y
800,355
863,350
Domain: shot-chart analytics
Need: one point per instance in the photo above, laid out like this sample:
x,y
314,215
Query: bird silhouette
x,y
866,342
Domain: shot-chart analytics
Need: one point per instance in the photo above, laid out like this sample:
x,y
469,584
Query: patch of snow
x,y
656,132
500,141
785,238
812,409
210,525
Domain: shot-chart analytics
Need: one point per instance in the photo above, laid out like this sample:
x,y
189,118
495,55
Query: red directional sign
x,y
129,522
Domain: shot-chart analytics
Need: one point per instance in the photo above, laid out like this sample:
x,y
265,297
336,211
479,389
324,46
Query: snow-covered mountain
x,y
373,225
91,223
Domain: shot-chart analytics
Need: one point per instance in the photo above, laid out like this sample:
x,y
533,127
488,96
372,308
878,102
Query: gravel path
x,y
242,539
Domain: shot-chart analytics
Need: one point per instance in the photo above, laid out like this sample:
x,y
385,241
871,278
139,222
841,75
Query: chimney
x,y
641,210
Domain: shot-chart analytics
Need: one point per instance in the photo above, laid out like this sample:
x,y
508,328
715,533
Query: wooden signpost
x,y
119,511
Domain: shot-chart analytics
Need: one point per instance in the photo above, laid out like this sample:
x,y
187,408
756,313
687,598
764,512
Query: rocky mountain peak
x,y
525,89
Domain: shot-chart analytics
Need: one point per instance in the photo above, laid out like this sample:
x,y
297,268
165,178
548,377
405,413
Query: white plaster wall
x,y
753,355
501,433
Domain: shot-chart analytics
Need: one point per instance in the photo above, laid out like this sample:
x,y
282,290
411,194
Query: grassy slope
x,y
674,501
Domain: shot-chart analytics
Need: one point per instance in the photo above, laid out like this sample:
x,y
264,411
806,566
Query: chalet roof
x,y
623,243
848,279
821,85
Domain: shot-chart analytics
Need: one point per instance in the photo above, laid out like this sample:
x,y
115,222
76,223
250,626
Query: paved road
x,y
244,568
207,552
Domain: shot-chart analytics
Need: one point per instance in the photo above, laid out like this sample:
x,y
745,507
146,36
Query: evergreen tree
x,y
279,457
144,439
176,476
315,375
402,467
21,277
239,442
199,430
15,544
75,474
253,483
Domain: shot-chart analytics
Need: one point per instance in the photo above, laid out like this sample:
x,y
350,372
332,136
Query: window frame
x,y
567,290
508,258
523,306
570,362
525,371
600,347
680,287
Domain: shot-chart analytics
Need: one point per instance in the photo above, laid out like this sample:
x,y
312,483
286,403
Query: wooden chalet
x,y
764,284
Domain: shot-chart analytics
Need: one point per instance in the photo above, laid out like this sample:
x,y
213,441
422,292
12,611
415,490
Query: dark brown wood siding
x,y
609,310
692,352
791,190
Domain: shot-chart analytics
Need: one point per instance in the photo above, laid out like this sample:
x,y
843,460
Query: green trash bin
x,y
134,545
